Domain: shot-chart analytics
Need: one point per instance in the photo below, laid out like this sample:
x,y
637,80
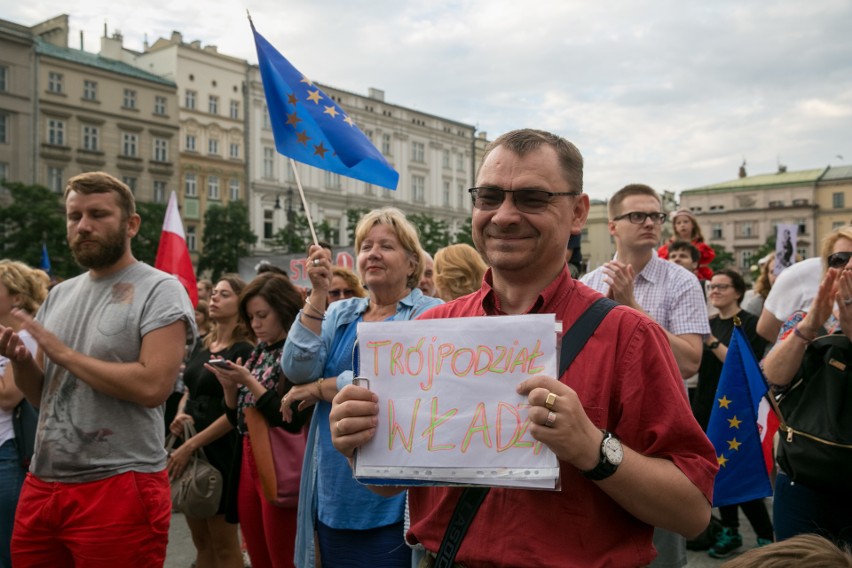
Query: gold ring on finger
x,y
550,401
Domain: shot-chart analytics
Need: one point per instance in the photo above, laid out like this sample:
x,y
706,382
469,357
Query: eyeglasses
x,y
719,287
639,217
345,293
839,259
526,200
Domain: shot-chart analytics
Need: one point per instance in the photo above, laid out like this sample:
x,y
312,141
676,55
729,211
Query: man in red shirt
x,y
623,391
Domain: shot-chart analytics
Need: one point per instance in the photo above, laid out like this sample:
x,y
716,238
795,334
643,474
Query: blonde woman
x,y
458,271
22,288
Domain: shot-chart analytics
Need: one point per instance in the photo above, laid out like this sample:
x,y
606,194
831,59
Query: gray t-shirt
x,y
85,435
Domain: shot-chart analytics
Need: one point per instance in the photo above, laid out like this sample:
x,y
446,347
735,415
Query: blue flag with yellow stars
x,y
733,427
310,127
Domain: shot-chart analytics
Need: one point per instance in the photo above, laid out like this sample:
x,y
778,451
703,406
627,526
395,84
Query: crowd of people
x,y
102,353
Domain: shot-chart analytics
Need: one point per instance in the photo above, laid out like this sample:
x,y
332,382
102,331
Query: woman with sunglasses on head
x,y
727,289
807,497
686,228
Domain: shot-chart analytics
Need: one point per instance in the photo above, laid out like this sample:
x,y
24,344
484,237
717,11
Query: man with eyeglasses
x,y
665,291
621,396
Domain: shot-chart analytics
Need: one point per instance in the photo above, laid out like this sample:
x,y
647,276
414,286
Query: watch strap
x,y
604,468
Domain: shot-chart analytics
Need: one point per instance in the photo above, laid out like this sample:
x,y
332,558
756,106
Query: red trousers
x,y
269,531
121,521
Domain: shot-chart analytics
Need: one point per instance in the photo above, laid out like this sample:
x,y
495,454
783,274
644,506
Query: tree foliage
x,y
147,240
293,238
32,215
465,232
434,233
352,218
724,259
227,237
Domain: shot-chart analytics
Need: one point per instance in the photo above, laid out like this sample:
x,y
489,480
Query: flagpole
x,y
304,201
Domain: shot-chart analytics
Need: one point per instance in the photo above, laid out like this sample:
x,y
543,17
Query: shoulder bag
x,y
278,455
198,490
815,416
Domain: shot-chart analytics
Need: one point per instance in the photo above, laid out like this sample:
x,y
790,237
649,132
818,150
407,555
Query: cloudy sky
x,y
670,93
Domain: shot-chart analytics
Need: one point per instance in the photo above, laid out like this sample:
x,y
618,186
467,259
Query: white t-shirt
x,y
795,289
7,431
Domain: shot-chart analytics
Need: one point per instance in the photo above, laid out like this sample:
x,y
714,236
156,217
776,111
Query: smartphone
x,y
221,363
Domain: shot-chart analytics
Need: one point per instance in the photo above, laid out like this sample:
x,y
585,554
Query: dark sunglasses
x,y
839,259
346,293
526,200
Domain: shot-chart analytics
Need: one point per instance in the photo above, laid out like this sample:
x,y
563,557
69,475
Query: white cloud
x,y
668,93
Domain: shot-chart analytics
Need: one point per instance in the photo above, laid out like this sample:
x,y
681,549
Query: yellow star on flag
x,y
320,150
724,402
314,96
330,110
302,137
293,119
734,423
306,80
722,460
291,98
734,445
348,120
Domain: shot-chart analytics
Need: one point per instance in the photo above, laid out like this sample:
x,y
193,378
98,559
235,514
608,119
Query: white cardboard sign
x,y
448,409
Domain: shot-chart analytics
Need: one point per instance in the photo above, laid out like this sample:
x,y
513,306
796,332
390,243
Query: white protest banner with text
x,y
448,408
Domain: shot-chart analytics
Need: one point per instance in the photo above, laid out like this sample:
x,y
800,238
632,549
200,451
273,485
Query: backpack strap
x,y
472,497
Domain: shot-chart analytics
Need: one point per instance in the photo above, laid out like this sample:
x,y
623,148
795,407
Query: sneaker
x,y
729,540
763,542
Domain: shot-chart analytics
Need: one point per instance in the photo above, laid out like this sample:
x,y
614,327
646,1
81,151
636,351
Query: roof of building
x,y
95,60
837,173
778,179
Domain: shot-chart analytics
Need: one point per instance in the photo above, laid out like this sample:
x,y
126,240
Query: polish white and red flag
x,y
173,254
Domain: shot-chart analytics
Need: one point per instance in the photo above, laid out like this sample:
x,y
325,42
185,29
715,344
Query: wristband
x,y
307,315
310,305
801,336
319,388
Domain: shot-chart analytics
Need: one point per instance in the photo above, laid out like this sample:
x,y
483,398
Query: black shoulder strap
x,y
579,334
472,497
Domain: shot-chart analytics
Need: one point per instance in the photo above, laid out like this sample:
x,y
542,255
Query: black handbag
x,y
25,423
815,416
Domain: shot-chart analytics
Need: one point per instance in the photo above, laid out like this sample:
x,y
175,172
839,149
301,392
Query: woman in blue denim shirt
x,y
355,527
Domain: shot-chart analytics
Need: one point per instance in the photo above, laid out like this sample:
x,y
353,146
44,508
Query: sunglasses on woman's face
x,y
345,293
839,259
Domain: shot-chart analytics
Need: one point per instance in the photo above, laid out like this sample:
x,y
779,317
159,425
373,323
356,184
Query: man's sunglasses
x,y
526,200
839,259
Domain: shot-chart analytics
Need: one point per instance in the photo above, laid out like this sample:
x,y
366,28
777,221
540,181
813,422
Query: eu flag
x,y
310,127
44,263
733,427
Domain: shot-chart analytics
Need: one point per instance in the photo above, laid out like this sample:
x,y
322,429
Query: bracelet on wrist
x,y
801,336
319,388
309,316
316,311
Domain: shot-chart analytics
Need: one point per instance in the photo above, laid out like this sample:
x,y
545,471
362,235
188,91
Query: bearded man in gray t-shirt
x,y
110,345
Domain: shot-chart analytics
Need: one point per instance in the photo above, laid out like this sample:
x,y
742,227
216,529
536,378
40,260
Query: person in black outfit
x,y
727,289
216,541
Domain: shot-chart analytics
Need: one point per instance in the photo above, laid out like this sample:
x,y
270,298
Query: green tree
x,y
34,215
227,237
434,233
293,238
147,240
724,259
352,218
465,232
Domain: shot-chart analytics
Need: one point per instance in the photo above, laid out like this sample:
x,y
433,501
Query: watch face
x,y
613,451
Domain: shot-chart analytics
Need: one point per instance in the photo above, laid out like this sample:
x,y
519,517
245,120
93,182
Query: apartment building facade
x,y
17,61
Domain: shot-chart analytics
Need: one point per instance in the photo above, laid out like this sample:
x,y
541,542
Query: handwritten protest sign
x,y
448,410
